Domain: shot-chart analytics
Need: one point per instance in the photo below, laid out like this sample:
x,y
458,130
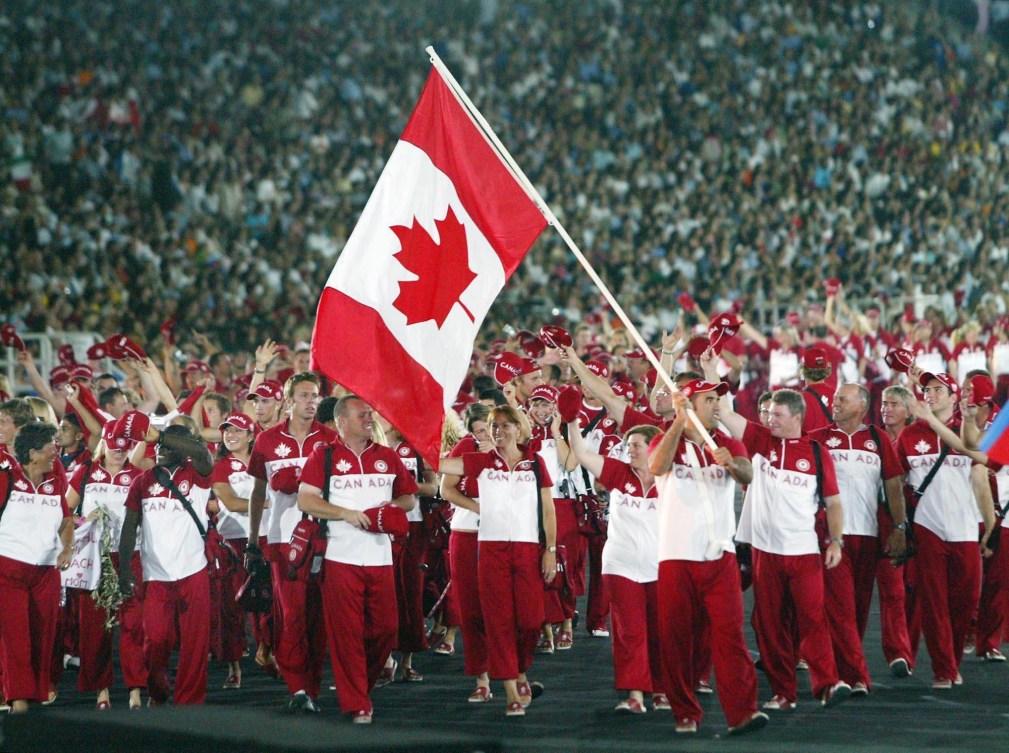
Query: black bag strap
x,y
84,486
818,459
165,478
327,471
935,469
594,423
539,501
819,401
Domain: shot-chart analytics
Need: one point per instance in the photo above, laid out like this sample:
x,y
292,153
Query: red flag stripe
x,y
499,206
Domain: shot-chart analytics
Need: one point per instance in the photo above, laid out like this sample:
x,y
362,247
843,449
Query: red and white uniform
x,y
463,567
408,561
509,558
177,586
300,650
698,582
931,356
109,491
29,582
861,465
228,640
778,519
947,563
783,365
359,588
601,439
968,358
630,570
819,401
993,608
853,349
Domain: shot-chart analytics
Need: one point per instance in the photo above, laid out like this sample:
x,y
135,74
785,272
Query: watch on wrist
x,y
901,526
837,540
552,549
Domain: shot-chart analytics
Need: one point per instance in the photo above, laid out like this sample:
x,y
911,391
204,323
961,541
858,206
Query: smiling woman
x,y
36,538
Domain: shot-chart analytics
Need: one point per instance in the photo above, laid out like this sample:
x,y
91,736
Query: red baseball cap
x,y
113,440
239,421
511,366
195,366
544,392
66,355
814,358
697,345
624,390
10,338
943,378
531,344
97,352
899,359
81,371
555,337
695,386
120,348
982,389
598,368
636,353
59,375
269,389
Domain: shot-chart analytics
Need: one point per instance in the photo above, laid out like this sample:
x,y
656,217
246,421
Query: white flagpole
x,y
551,218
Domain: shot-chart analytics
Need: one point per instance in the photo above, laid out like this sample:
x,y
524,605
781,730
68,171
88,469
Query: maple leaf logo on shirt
x,y
21,485
833,442
774,456
97,475
442,270
629,488
5,464
154,490
283,450
236,465
922,447
343,466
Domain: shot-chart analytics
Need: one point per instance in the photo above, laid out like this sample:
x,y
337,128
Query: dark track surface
x,y
575,714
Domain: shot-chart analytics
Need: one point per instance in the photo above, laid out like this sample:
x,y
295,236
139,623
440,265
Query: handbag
x,y
560,581
256,593
589,508
221,558
307,547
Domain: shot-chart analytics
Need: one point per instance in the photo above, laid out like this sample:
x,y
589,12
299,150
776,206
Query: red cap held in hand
x,y
569,403
9,337
555,337
133,425
286,480
388,519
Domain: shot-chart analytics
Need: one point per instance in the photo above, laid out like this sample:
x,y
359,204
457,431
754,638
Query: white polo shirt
x,y
29,527
171,547
508,497
632,537
463,519
232,471
358,482
106,490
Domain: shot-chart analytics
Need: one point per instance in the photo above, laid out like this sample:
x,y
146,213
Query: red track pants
x,y
29,595
511,598
177,613
466,588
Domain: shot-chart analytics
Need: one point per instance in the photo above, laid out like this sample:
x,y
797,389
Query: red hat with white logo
x,y
59,375
899,359
555,337
121,348
81,371
511,366
636,353
239,420
66,355
624,390
722,327
814,358
268,389
598,368
544,392
695,386
697,345
531,344
944,379
97,352
195,367
114,440
982,389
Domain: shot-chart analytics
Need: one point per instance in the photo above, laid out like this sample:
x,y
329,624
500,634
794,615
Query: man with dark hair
x,y
326,413
493,397
103,382
790,476
113,400
359,589
170,502
277,458
483,382
817,393
73,448
14,414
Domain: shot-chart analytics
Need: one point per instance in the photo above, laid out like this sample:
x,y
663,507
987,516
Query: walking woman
x,y
36,539
100,486
515,504
630,564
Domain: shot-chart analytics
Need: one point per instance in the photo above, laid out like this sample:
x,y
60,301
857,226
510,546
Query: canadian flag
x,y
445,227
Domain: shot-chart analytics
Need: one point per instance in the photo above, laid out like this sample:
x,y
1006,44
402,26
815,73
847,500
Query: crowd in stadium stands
x,y
207,160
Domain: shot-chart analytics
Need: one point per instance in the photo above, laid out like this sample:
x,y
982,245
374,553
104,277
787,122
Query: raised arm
x,y
750,332
735,423
40,385
598,386
985,505
591,461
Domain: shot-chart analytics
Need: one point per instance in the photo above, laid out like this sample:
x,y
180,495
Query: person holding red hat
x,y
518,376
358,586
463,492
951,502
998,358
552,447
275,463
516,520
170,502
101,485
409,563
698,577
867,470
929,351
815,372
232,485
783,349
790,476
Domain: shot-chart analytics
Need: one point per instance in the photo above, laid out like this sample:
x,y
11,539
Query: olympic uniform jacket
x,y
274,449
779,510
106,490
29,527
508,497
358,482
232,471
632,540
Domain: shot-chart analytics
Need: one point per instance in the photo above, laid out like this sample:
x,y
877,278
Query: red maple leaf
x,y
442,268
